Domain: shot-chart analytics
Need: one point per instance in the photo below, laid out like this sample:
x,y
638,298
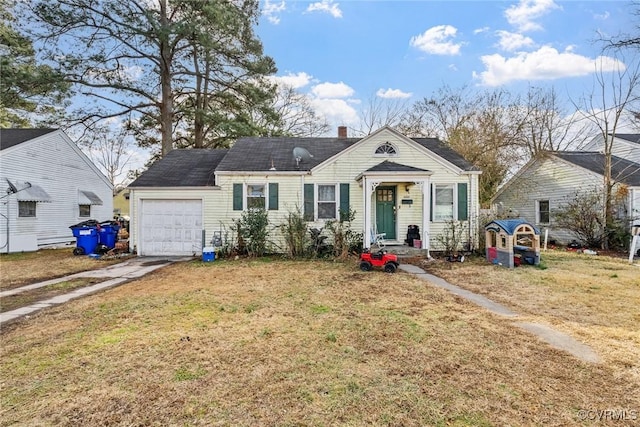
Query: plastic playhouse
x,y
512,242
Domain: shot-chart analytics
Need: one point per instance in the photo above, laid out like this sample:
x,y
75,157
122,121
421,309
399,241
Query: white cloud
x,y
602,17
524,14
332,90
272,10
393,94
295,81
437,41
513,41
480,30
544,64
327,6
336,111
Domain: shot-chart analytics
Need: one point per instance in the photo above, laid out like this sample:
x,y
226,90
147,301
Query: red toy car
x,y
389,262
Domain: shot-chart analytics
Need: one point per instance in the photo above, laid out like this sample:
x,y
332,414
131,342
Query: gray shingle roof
x,y
441,149
182,168
11,137
192,168
389,166
260,154
622,170
631,137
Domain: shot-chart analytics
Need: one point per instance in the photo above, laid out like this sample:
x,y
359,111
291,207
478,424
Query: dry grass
x,y
290,343
594,298
21,269
23,299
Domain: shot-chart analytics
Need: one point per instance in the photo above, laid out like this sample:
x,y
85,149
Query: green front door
x,y
386,211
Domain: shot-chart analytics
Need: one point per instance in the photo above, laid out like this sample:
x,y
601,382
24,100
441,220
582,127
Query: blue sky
x,y
342,53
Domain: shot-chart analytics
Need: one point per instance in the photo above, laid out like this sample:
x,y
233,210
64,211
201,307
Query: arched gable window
x,y
386,149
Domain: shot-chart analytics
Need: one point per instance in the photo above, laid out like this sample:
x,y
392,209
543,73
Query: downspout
x,y
6,244
471,245
301,200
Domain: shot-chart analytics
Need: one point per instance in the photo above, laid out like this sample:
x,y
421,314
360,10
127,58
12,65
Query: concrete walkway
x,y
116,274
554,338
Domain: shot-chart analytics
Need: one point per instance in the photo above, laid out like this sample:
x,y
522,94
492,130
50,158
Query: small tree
x,y
451,237
294,232
344,238
583,215
252,232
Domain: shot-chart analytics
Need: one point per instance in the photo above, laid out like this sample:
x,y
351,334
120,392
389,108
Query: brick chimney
x,y
342,131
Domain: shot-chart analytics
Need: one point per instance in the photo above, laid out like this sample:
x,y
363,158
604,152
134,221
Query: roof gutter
x,y
261,173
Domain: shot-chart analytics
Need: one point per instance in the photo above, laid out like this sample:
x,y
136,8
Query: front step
x,y
404,250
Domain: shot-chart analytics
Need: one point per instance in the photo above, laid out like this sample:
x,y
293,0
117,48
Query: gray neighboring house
x,y
546,183
48,184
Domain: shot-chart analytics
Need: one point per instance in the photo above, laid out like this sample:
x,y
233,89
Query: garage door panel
x,y
171,227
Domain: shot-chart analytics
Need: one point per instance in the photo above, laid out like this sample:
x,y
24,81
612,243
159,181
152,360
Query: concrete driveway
x,y
116,274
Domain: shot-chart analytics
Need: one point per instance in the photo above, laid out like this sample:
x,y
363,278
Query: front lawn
x,y
293,343
24,268
596,299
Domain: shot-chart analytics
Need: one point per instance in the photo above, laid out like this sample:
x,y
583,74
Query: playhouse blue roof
x,y
510,225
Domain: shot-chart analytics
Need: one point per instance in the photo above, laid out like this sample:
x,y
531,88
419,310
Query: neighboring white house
x,y
545,184
624,145
389,180
47,184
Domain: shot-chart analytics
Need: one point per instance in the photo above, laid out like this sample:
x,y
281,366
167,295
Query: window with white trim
x,y
386,149
444,205
26,209
542,212
256,196
327,201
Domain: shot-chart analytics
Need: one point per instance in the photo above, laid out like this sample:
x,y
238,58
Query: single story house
x,y
121,204
389,180
48,185
545,184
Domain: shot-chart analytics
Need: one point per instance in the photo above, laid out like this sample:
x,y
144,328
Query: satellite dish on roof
x,y
301,155
12,188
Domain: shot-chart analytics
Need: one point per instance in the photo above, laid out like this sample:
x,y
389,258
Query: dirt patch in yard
x,y
291,343
21,269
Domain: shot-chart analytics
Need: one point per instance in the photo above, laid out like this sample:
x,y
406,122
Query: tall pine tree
x,y
181,71
30,91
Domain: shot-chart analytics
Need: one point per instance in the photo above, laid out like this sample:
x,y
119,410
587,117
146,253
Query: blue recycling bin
x,y
108,234
86,239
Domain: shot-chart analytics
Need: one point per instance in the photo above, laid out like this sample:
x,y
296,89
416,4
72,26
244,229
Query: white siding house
x,y
388,180
545,184
48,185
624,145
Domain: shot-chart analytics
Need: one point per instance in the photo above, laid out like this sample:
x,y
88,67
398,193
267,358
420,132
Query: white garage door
x,y
171,227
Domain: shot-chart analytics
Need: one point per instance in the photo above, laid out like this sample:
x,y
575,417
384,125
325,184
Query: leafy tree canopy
x,y
29,90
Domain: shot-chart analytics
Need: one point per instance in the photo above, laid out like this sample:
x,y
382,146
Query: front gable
x,y
45,145
390,145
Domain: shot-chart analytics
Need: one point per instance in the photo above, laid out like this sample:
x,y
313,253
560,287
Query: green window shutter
x,y
308,202
431,206
273,196
237,197
344,201
463,208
